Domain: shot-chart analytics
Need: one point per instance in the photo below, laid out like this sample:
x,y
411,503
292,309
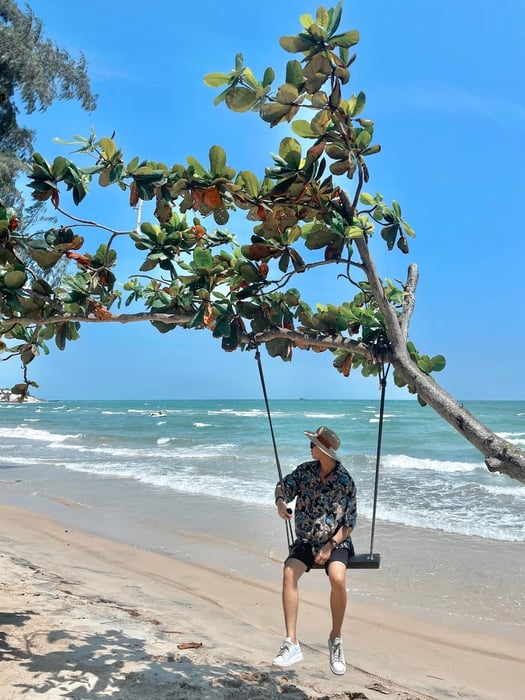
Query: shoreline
x,y
70,593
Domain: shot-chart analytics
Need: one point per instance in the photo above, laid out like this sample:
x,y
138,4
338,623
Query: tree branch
x,y
410,299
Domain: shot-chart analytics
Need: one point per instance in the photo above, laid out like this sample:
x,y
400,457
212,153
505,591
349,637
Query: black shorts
x,y
303,552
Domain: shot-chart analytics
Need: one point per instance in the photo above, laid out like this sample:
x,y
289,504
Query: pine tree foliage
x,y
34,72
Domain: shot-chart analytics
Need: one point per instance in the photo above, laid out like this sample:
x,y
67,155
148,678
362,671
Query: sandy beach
x,y
98,600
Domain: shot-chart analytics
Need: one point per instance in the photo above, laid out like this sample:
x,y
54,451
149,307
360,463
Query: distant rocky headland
x,y
7,396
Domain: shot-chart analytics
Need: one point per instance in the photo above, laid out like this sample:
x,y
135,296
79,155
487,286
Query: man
x,y
325,515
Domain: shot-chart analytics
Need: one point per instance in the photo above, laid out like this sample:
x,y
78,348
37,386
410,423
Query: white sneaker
x,y
337,656
289,654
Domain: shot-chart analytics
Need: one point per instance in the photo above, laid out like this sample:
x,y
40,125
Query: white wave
x,y
252,413
113,413
201,425
33,461
145,455
219,486
517,491
25,433
513,438
435,465
324,415
462,522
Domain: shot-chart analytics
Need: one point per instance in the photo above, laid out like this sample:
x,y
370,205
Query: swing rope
x,y
288,524
364,561
383,373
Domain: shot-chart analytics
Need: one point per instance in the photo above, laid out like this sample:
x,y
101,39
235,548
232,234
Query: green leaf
x,y
132,165
322,17
366,198
389,234
284,261
148,264
216,79
240,99
363,139
269,77
372,150
409,231
335,14
294,73
202,258
60,165
274,113
296,44
319,237
197,167
356,104
108,147
60,336
306,20
250,182
346,40
280,348
353,232
286,94
290,151
197,319
46,332
438,363
217,160
15,279
303,129
239,62
425,364
45,258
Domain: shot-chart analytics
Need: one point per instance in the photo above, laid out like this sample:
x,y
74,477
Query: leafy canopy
x,y
194,273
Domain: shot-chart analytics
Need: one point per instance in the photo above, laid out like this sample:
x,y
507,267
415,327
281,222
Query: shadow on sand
x,y
87,666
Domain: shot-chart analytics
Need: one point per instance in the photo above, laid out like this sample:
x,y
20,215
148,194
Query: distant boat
x,y
158,413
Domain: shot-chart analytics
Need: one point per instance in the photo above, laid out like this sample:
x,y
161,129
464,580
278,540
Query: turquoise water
x,y
430,477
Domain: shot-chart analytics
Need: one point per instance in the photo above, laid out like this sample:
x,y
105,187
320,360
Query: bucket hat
x,y
326,440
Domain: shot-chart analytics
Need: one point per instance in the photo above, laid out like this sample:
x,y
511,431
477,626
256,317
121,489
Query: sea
x,y
429,476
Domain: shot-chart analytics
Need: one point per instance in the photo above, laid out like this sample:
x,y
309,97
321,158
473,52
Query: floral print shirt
x,y
321,508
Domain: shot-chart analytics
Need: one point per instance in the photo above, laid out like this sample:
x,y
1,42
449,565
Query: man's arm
x,y
340,536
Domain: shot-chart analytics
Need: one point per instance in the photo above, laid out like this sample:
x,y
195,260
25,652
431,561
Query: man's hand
x,y
284,512
323,555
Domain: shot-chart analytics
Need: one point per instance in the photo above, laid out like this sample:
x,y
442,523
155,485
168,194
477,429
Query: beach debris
x,y
189,645
379,688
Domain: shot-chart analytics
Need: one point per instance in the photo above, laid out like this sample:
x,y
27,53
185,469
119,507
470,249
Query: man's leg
x,y
337,576
290,651
292,572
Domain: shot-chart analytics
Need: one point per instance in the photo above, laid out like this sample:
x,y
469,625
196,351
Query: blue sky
x,y
445,85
